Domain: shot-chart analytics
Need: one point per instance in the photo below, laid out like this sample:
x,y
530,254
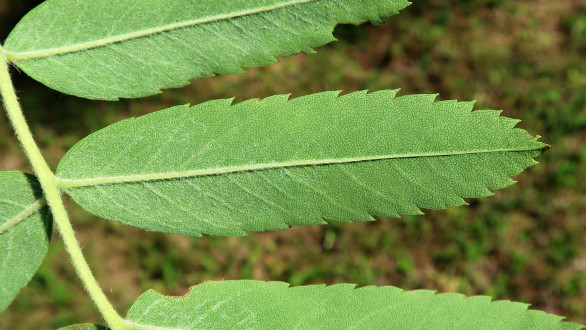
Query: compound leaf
x,y
274,305
103,49
25,231
223,169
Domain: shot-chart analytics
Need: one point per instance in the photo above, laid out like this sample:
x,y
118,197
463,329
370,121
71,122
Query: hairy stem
x,y
52,195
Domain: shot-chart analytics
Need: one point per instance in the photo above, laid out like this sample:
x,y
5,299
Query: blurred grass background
x,y
526,243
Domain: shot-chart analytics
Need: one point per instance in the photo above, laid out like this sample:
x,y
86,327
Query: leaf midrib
x,y
27,212
22,56
138,326
63,183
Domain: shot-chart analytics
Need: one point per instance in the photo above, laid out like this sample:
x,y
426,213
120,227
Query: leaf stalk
x,y
53,196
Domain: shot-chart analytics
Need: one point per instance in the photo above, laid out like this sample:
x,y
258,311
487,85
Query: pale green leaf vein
x,y
21,56
63,183
137,326
27,212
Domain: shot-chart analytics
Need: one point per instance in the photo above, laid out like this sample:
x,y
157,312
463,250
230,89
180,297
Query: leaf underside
x,y
25,231
275,305
135,48
223,169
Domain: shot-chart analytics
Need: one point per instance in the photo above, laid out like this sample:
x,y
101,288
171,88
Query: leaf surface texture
x,y
25,232
275,305
223,169
104,49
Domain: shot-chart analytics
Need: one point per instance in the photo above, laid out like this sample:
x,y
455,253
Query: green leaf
x,y
84,326
135,48
269,164
274,305
25,231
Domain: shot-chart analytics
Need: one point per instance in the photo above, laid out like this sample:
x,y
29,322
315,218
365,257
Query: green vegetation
x,y
339,306
525,243
224,169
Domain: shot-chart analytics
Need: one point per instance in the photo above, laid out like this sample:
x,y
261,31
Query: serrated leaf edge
x,y
65,183
351,286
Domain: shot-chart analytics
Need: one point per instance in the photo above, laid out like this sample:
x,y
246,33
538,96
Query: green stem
x,y
53,196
